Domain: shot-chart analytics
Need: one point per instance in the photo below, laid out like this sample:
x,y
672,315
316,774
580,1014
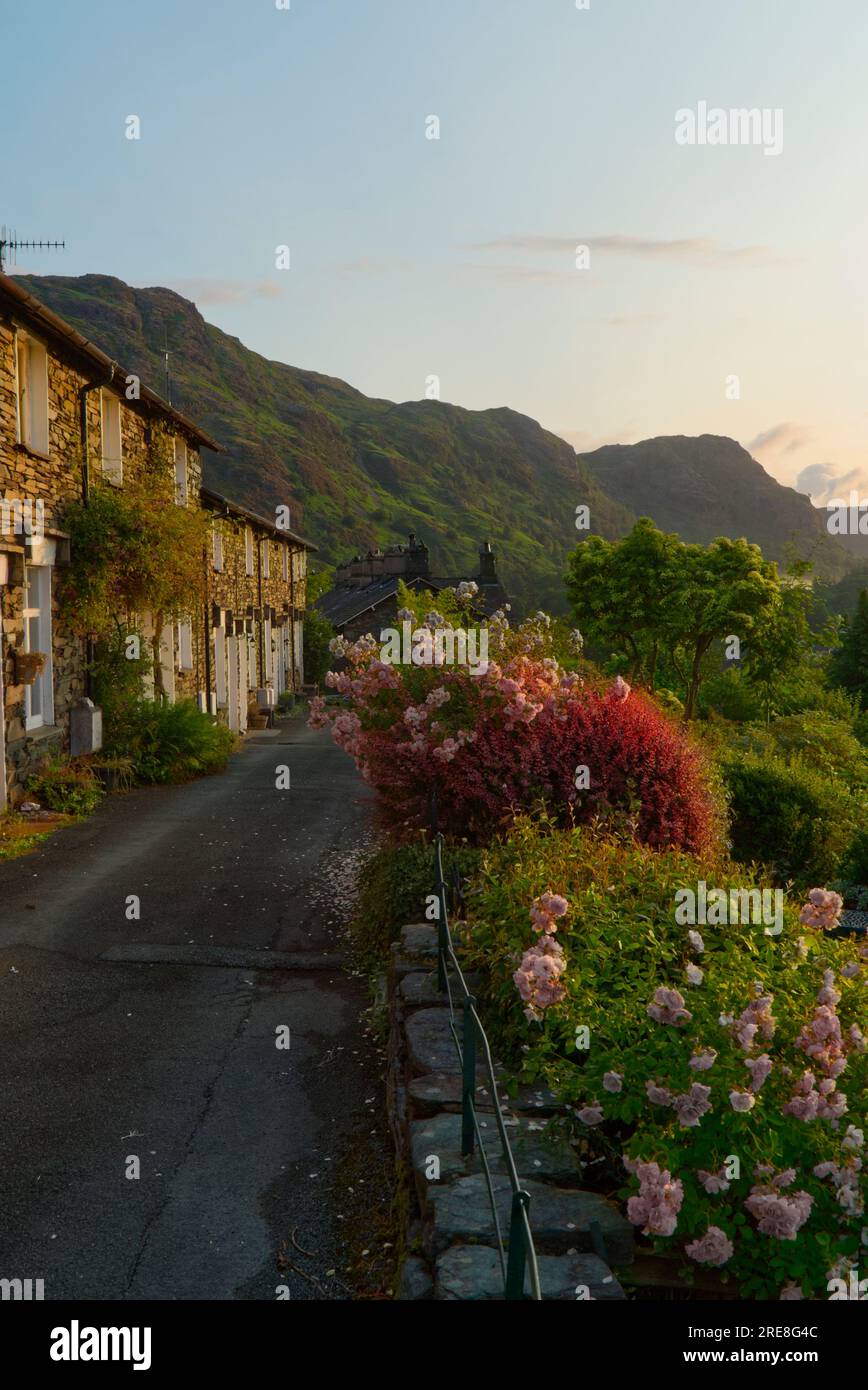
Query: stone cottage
x,y
69,414
256,599
364,596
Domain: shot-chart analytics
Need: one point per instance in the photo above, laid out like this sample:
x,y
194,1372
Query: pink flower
x,y
591,1114
760,1069
620,688
668,1007
791,1292
741,1101
715,1248
822,909
714,1182
696,942
694,975
691,1107
703,1061
779,1216
658,1203
613,1082
657,1094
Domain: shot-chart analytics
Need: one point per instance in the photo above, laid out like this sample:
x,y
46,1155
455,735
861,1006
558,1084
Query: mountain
x,y
357,471
710,486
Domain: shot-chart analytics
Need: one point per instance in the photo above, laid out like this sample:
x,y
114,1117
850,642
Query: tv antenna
x,y
10,244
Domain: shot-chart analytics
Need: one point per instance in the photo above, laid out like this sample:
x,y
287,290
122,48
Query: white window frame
x,y
268,673
266,560
217,546
31,393
45,682
182,487
248,550
112,437
285,563
185,645
220,668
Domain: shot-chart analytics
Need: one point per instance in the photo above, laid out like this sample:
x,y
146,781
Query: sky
x,y
724,287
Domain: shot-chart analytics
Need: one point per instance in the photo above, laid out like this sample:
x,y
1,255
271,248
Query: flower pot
x,y
29,665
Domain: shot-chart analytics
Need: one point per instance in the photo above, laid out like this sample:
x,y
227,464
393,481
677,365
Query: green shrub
x,y
728,694
788,816
170,743
393,886
621,943
69,790
855,862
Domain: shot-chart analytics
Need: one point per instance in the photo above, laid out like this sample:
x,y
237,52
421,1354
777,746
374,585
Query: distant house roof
x,y
44,320
341,605
218,502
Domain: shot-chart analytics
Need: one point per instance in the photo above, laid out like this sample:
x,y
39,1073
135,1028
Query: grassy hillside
x,y
355,471
358,471
710,486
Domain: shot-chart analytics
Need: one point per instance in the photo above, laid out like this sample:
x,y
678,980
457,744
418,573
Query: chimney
x,y
487,570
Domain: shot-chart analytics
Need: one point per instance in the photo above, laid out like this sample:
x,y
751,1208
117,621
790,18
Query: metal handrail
x,y
519,1259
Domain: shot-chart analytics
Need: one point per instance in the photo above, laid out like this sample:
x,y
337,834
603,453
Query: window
x,y
248,550
39,697
185,646
112,448
285,556
181,492
266,560
217,544
269,664
31,368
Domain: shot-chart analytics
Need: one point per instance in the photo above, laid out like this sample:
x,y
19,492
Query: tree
x,y
651,594
617,590
849,665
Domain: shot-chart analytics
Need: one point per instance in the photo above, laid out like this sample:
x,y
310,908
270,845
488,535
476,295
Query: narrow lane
x,y
155,1039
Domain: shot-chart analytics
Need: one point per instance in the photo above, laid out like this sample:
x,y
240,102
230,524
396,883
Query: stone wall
x,y
450,1237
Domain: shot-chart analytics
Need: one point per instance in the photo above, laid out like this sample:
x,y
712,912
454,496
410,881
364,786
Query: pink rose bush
x,y
510,737
741,1118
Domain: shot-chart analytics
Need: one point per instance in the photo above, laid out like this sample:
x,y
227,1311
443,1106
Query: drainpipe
x,y
292,615
83,393
2,712
261,643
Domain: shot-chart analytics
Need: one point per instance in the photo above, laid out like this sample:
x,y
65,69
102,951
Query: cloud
x,y
822,485
528,274
785,438
215,291
366,265
703,251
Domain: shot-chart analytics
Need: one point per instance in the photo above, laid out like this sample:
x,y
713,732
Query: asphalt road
x,y
155,1038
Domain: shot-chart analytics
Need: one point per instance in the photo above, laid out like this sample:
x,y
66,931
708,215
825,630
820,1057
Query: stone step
x,y
419,988
439,1091
560,1218
536,1153
430,1044
474,1272
419,941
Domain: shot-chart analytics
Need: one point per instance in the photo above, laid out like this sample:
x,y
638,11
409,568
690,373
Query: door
x,y
38,696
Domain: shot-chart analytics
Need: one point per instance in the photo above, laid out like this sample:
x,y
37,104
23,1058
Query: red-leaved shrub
x,y
513,739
